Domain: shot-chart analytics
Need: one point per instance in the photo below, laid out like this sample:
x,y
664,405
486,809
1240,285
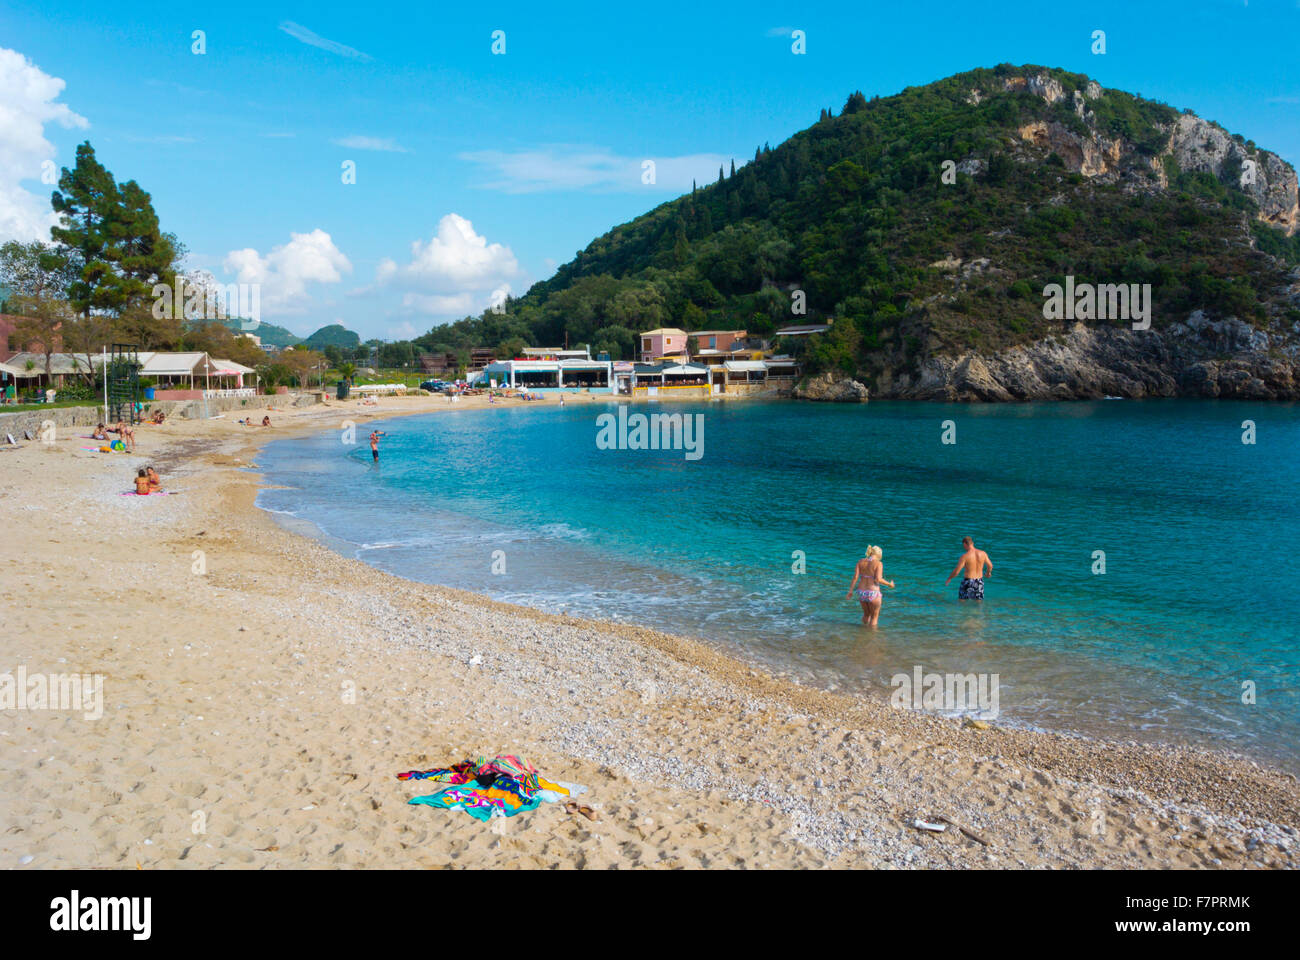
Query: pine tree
x,y
85,201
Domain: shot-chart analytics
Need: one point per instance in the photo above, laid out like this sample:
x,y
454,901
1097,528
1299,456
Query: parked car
x,y
435,386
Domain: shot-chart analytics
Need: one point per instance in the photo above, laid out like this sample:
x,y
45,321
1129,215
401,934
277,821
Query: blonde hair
x,y
875,551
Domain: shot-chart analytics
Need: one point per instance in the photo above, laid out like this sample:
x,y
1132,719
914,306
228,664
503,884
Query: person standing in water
x,y
868,575
374,443
971,567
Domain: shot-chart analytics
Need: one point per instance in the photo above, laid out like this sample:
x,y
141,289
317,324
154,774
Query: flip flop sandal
x,y
575,807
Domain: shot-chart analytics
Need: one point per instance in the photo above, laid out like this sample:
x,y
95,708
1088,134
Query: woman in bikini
x,y
868,576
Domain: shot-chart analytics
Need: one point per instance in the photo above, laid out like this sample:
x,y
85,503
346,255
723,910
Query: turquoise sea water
x,y
1198,530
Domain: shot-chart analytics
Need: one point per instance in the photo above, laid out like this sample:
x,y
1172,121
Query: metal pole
x,y
103,372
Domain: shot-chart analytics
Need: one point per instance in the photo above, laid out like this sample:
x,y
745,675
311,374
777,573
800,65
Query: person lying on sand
x,y
868,575
142,483
971,567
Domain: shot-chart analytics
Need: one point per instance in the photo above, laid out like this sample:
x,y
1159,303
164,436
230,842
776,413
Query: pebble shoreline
x,y
693,758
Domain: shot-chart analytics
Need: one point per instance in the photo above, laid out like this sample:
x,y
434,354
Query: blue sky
x,y
477,172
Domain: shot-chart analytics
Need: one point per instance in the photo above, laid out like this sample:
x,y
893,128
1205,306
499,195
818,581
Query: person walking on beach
x,y
868,575
374,443
971,567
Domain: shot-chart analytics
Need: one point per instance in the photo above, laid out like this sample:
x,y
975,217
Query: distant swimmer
x,y
374,443
971,567
868,575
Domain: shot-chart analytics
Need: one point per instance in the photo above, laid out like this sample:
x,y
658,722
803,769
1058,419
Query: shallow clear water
x,y
1196,527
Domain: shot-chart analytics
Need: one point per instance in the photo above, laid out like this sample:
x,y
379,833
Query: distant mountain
x,y
268,333
930,223
335,335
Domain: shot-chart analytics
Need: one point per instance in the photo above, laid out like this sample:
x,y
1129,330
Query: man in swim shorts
x,y
971,567
374,443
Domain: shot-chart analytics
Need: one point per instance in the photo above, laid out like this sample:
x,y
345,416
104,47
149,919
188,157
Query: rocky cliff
x,y
1197,358
1192,143
827,387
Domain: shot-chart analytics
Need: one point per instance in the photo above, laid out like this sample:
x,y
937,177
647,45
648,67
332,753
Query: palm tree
x,y
347,371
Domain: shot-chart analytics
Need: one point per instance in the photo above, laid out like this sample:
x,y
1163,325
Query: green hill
x,y
269,333
335,335
928,223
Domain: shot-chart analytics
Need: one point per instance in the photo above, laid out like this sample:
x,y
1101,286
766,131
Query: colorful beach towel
x,y
500,787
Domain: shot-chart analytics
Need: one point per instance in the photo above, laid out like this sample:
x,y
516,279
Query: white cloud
x,y
456,272
301,33
27,105
285,272
596,169
371,143
402,331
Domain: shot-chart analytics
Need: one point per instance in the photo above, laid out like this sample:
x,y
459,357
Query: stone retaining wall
x,y
31,420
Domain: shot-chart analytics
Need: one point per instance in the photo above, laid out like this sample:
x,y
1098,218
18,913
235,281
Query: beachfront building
x,y
718,341
178,376
664,343
552,376
674,381
13,379
556,353
63,368
804,329
190,376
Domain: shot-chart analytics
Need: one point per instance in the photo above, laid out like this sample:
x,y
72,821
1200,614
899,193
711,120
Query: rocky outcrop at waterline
x,y
1197,358
826,387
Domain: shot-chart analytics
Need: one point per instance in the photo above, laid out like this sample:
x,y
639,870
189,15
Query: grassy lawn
x,y
29,407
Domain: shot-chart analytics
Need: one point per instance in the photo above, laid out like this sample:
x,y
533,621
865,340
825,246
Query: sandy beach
x,y
261,693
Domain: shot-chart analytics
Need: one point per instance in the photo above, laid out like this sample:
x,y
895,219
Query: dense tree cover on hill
x,y
853,212
334,335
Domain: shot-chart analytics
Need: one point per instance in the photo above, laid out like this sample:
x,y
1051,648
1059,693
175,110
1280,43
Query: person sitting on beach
x,y
155,481
266,421
868,575
971,567
142,483
158,417
100,433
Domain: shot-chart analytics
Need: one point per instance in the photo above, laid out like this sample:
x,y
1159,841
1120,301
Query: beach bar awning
x,y
691,369
17,372
172,364
745,366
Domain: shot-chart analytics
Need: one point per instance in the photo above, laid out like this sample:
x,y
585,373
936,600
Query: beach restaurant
x,y
9,378
679,381
192,376
552,376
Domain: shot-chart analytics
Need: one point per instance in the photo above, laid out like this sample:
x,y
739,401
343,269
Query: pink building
x,y
664,342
